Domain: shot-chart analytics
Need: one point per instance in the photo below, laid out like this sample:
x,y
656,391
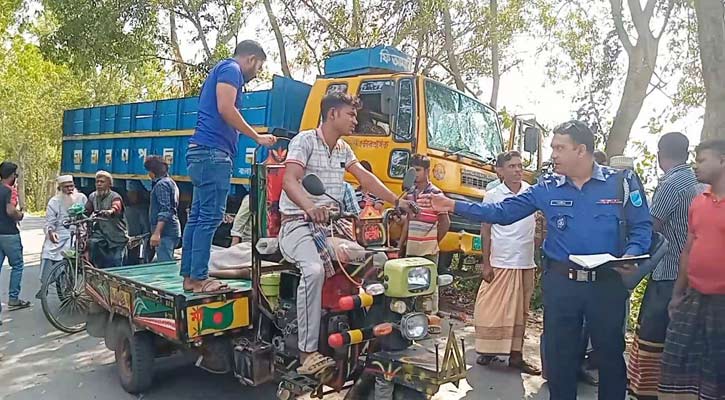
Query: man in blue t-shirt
x,y
209,159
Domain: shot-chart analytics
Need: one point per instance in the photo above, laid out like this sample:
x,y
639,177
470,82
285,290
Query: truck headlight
x,y
418,279
414,326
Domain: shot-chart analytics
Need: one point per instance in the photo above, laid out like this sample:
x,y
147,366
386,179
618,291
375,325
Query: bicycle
x,y
66,280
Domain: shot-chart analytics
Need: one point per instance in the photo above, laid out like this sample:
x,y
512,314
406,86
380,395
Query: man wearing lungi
x,y
671,200
502,304
693,361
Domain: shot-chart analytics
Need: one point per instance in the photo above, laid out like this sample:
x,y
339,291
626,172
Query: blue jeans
x,y
12,248
210,171
165,251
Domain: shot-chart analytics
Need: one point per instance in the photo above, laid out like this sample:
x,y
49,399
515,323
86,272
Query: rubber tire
x,y
44,300
136,373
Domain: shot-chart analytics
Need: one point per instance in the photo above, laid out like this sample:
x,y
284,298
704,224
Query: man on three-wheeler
x,y
369,310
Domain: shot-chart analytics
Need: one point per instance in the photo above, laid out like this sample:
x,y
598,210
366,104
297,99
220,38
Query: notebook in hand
x,y
591,261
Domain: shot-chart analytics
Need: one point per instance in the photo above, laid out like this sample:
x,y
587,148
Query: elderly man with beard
x,y
57,236
109,236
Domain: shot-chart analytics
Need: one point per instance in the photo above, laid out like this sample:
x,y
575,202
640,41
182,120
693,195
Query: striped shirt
x,y
423,227
309,150
670,204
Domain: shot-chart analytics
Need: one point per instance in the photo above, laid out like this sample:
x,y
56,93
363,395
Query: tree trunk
x,y
180,66
711,36
495,72
641,61
449,48
356,30
639,72
279,37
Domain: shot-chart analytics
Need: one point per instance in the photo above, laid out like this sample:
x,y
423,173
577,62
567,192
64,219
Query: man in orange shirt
x,y
694,354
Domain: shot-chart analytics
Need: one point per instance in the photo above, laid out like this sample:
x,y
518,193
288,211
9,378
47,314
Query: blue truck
x,y
117,138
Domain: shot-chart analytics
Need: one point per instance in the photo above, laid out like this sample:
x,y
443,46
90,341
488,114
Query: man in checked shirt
x,y
672,198
163,210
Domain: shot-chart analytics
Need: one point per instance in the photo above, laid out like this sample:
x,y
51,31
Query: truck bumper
x,y
424,366
461,242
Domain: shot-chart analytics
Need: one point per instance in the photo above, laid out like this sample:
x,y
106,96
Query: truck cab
x,y
404,113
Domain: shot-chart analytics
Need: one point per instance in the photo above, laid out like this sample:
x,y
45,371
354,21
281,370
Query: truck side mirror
x,y
388,100
532,136
409,180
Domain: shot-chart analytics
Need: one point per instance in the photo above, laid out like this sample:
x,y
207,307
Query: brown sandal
x,y
213,286
525,367
315,364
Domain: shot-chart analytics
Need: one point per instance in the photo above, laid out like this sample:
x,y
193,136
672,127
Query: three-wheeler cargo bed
x,y
153,298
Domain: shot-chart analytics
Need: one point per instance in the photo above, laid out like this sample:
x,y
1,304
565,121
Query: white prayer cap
x,y
104,174
64,179
621,162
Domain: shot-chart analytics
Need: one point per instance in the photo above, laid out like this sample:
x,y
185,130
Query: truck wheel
x,y
134,359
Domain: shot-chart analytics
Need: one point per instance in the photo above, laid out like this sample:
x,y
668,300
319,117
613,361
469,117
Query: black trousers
x,y
566,304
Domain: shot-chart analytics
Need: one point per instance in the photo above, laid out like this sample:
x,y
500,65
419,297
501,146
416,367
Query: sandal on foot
x,y
525,367
213,286
485,360
315,364
17,304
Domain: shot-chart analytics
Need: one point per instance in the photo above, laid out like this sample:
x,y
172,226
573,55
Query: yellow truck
x,y
405,113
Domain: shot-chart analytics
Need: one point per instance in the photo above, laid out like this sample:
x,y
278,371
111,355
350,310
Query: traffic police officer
x,y
586,213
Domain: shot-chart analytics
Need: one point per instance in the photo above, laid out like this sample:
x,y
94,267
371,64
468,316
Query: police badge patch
x,y
561,222
636,198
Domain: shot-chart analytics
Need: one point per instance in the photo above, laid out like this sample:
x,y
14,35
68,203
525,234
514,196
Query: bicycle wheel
x,y
64,299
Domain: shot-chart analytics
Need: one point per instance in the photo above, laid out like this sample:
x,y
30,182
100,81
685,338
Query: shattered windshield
x,y
461,125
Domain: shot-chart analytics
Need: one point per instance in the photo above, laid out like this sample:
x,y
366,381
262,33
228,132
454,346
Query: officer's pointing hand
x,y
438,202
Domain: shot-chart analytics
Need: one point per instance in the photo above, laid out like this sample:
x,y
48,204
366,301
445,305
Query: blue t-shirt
x,y
211,129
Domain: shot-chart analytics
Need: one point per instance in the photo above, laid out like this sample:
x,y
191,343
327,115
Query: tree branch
x,y
448,69
303,32
173,60
619,25
639,18
278,36
193,17
176,51
649,9
668,13
340,35
448,45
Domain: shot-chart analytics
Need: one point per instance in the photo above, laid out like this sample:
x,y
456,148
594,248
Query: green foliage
x,y
585,50
86,34
33,95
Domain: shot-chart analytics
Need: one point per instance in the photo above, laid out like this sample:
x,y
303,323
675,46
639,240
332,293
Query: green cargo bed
x,y
165,277
153,298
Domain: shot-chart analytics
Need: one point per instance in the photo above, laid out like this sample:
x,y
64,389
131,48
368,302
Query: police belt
x,y
576,273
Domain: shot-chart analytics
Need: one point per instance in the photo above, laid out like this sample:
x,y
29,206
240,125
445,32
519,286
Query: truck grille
x,y
459,223
476,179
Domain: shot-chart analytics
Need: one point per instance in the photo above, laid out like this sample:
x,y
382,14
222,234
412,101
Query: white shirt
x,y
512,246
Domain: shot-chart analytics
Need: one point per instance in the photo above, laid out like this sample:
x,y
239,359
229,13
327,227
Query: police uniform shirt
x,y
578,221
